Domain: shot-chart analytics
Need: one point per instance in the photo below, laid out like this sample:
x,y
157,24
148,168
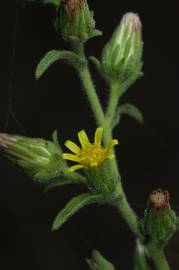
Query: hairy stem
x,y
113,102
129,215
158,257
88,85
116,91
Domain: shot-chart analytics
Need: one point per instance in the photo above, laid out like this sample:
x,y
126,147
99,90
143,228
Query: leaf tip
x,y
54,227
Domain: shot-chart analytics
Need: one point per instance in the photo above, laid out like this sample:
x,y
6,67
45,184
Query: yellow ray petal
x,y
98,136
73,147
83,138
112,144
75,167
70,157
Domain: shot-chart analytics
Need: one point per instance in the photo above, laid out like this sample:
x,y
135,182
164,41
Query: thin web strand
x,y
10,113
11,80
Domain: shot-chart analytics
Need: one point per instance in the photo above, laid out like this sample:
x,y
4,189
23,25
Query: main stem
x,y
104,121
88,85
129,215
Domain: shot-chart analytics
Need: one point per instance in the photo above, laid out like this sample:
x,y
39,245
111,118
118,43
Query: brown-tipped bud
x,y
159,219
132,21
75,21
159,198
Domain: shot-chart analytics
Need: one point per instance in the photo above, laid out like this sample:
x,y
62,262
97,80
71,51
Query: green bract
x,y
102,180
121,57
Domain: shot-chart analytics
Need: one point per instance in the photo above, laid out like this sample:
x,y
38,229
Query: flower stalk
x,y
158,257
115,89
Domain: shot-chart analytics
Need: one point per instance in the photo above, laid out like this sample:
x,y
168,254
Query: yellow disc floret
x,y
90,155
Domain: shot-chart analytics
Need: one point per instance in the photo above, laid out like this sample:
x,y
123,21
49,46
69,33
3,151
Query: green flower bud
x,y
159,219
121,57
39,158
75,21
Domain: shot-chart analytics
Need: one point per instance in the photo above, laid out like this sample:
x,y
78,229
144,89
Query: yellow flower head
x,y
90,155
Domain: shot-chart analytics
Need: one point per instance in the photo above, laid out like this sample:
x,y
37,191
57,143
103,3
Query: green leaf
x,y
65,179
73,206
96,33
96,62
53,183
129,110
132,111
98,262
52,56
55,140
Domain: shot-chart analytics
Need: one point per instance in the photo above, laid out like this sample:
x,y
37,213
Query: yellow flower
x,y
90,155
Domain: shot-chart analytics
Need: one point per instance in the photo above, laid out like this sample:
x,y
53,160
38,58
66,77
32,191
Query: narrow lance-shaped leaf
x,y
52,56
65,179
98,262
97,63
132,111
55,140
128,109
58,182
73,206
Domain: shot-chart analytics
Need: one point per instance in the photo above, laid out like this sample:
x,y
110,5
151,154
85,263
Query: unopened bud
x,y
75,21
37,157
159,198
122,55
159,218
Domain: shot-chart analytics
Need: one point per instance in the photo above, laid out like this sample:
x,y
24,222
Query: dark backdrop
x,y
148,154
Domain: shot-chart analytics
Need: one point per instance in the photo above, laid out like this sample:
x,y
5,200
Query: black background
x,y
148,154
